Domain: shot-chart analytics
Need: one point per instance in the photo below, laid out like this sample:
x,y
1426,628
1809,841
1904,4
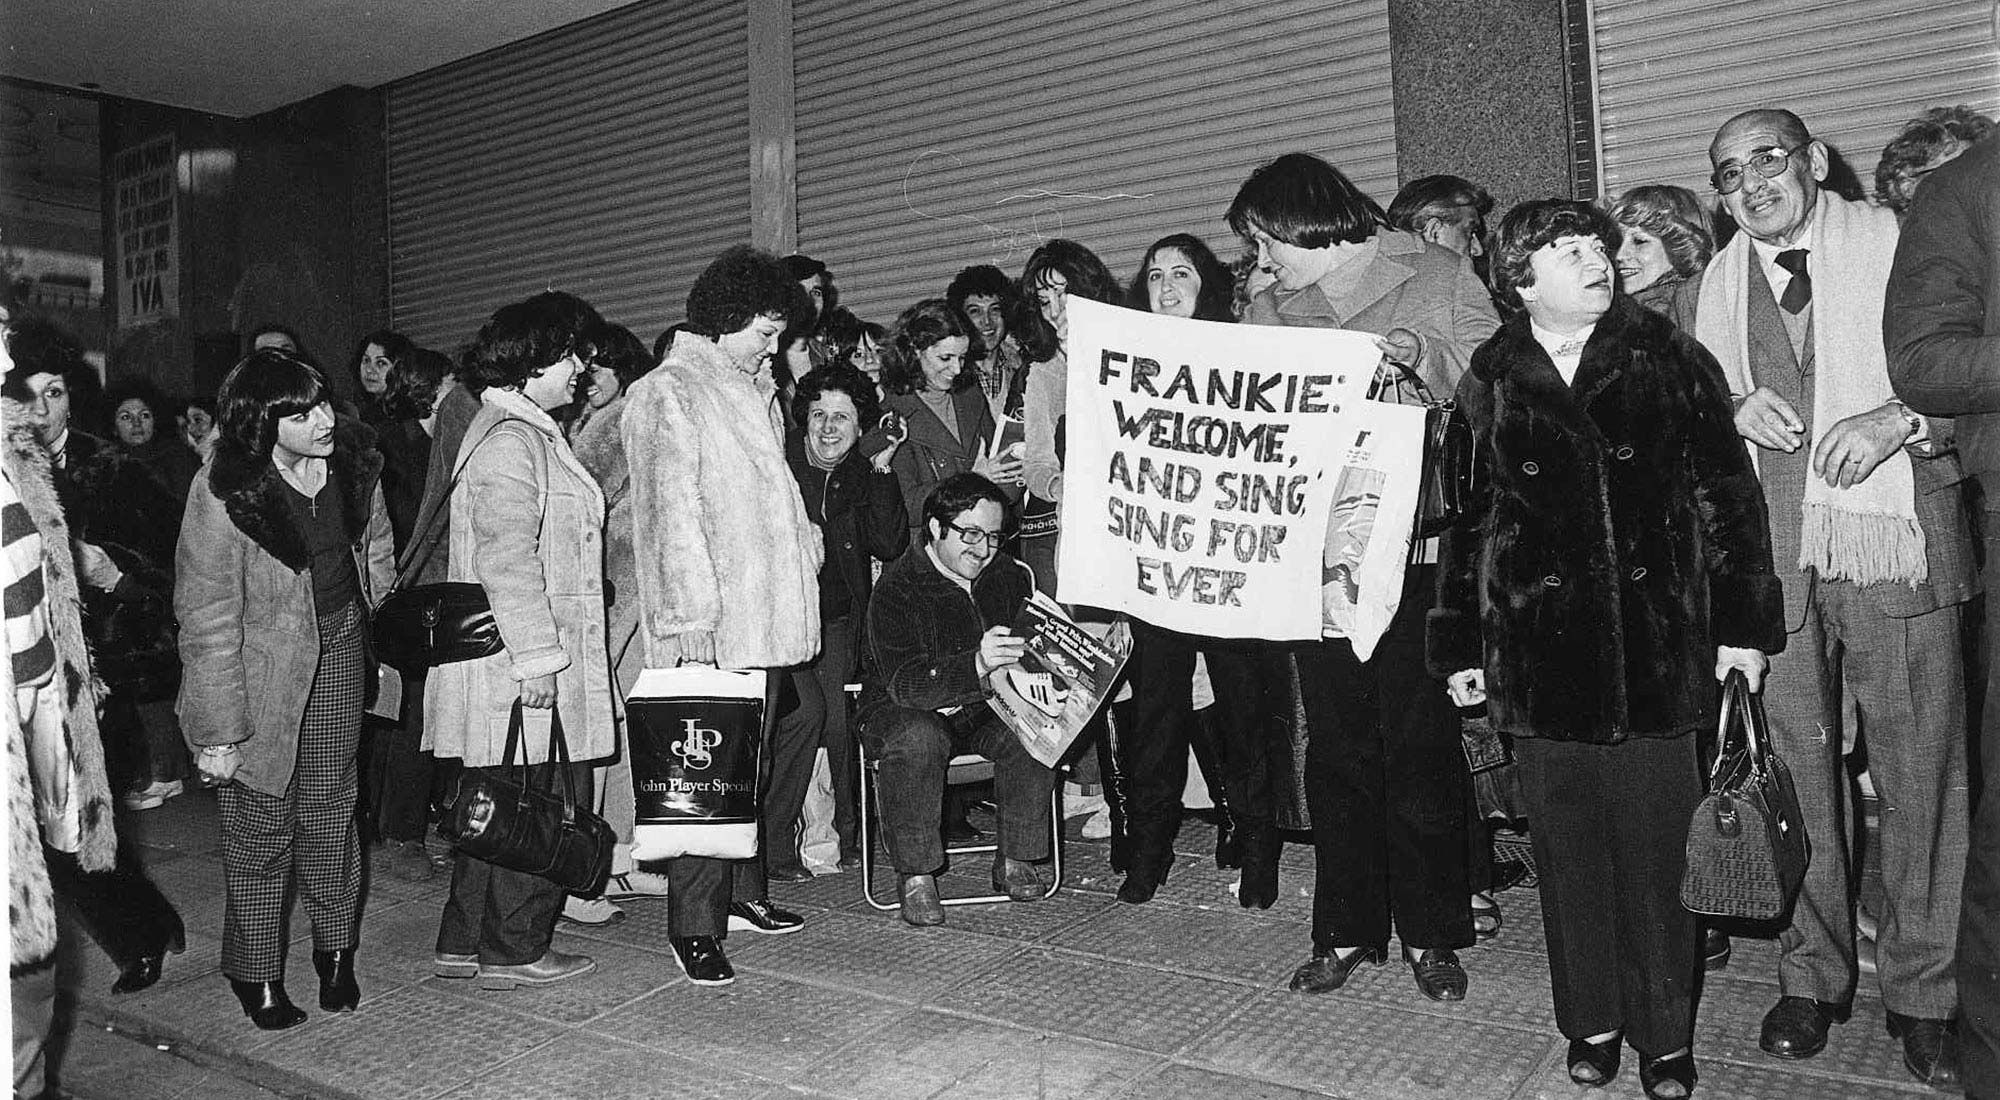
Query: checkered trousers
x,y
309,832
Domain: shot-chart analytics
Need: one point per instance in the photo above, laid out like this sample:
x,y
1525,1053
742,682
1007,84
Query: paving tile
x,y
877,953
623,975
1719,1080
1363,1051
412,1043
1199,882
1049,990
187,824
1176,1082
105,1065
1507,988
764,1024
1215,942
932,1054
1731,1014
581,1066
199,1009
837,891
1028,922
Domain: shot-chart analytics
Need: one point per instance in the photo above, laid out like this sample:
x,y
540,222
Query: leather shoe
x,y
1796,1027
1019,879
451,964
554,966
338,991
1257,887
1594,1065
850,861
1715,949
921,906
1669,1078
1930,1049
143,971
1228,841
1328,970
267,1006
795,872
702,960
1144,877
763,918
1438,973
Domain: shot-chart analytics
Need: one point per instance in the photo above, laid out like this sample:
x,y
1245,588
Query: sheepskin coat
x,y
720,534
1616,536
243,592
527,524
31,902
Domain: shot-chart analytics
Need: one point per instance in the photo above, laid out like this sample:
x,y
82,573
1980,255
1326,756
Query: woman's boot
x,y
1118,718
1259,886
1208,757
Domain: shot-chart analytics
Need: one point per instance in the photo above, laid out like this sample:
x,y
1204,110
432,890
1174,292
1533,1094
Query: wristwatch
x,y
1915,422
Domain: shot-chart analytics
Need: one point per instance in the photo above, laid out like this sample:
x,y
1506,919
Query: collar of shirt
x,y
1566,351
1767,258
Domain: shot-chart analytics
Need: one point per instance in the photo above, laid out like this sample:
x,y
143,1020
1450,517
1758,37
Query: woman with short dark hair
x,y
1614,563
727,559
527,523
1386,777
284,545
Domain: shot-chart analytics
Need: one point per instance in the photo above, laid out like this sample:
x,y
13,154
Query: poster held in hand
x,y
1065,675
1368,530
696,735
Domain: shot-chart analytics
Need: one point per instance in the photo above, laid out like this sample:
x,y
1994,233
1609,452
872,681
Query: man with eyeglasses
x,y
940,628
1941,321
1870,536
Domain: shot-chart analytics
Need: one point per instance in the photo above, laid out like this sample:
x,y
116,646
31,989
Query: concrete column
x,y
774,191
1482,92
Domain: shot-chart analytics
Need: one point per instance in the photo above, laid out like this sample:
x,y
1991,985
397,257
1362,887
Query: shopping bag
x,y
696,736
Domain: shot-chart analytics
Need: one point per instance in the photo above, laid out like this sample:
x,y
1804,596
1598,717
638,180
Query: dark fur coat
x,y
1617,535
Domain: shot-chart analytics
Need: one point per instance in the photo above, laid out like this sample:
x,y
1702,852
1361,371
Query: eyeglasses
x,y
974,536
1770,163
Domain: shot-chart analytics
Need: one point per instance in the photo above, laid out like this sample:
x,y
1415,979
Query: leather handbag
x,y
503,818
1747,848
421,626
1447,465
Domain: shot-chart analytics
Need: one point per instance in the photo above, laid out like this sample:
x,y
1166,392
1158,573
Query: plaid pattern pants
x,y
309,832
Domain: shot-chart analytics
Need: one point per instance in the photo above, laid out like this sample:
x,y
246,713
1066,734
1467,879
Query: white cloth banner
x,y
1197,478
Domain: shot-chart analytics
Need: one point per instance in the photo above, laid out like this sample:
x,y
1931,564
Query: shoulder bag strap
x,y
430,532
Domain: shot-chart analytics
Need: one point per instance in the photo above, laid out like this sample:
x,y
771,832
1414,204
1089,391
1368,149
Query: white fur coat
x,y
722,540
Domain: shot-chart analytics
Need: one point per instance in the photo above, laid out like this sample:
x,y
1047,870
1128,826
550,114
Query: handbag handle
x,y
1739,702
558,754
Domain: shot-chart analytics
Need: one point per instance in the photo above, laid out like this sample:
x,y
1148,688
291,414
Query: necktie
x,y
1798,293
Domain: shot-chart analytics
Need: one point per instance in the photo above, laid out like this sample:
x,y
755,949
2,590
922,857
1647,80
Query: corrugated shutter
x,y
609,158
933,134
1671,71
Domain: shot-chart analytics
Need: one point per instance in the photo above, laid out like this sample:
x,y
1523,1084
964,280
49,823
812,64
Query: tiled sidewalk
x,y
1079,996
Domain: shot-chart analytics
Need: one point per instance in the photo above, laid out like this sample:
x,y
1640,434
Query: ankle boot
x,y
1111,770
338,991
1208,756
1260,844
266,1004
1152,857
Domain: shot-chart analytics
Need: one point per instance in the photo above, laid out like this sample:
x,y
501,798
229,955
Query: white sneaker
x,y
1098,827
1075,805
636,884
153,795
592,912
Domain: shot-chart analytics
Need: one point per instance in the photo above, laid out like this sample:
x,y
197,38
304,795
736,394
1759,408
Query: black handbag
x,y
1447,459
421,626
1747,848
503,819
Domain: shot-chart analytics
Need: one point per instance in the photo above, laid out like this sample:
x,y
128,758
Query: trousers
x,y
505,917
912,749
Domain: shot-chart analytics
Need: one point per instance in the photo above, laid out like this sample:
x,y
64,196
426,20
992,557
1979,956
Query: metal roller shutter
x,y
933,134
607,158
1671,71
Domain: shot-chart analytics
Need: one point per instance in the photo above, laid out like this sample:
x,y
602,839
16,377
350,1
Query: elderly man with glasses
x,y
939,629
1870,536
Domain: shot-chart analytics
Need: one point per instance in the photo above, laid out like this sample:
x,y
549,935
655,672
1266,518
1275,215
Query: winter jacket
x,y
862,519
924,631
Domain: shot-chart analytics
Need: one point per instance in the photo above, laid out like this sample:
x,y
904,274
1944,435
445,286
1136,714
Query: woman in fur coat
x,y
284,541
728,561
1614,564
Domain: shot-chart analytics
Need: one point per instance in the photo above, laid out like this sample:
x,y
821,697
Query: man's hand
x,y
1467,687
1770,422
999,648
539,692
1751,661
1851,449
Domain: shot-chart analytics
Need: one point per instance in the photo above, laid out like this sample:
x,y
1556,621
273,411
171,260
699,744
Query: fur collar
x,y
252,492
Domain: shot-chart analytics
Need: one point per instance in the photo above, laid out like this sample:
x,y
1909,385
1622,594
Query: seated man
x,y
940,627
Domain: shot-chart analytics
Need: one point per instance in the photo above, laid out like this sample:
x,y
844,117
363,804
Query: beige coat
x,y
527,523
721,537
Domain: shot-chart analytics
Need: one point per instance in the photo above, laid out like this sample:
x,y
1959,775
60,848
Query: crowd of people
x,y
1684,467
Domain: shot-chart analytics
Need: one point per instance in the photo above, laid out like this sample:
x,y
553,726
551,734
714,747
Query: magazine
x,y
1067,673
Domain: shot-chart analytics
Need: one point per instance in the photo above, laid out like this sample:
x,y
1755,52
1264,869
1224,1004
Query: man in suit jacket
x,y
1869,532
1942,325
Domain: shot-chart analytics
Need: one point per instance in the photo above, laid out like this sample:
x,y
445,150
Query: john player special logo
x,y
697,747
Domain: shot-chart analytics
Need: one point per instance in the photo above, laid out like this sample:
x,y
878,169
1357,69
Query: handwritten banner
x,y
1196,485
